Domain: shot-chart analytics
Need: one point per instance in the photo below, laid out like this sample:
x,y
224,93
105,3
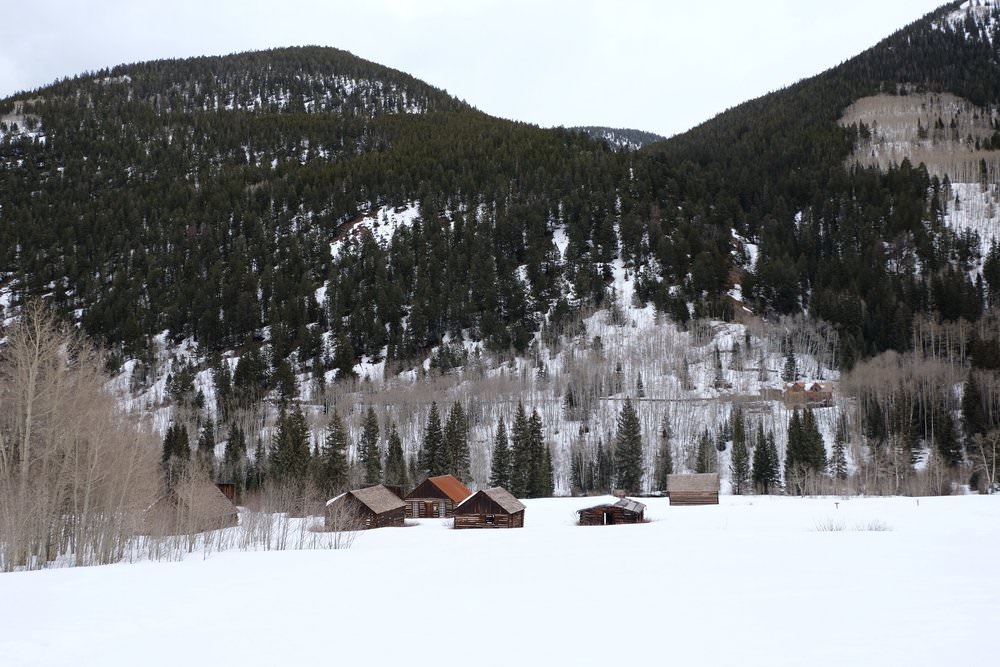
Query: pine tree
x,y
206,448
603,469
395,461
665,456
456,442
176,454
539,470
501,464
706,457
290,448
974,418
766,467
628,450
521,454
640,388
838,461
332,466
371,458
739,462
236,446
433,457
790,372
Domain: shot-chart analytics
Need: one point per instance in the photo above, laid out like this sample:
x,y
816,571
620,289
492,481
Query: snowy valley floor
x,y
754,581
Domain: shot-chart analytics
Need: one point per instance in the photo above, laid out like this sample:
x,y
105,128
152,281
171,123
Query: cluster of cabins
x,y
446,497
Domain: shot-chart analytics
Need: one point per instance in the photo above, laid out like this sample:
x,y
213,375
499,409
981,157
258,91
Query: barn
x,y
608,514
693,489
490,508
188,509
371,507
435,497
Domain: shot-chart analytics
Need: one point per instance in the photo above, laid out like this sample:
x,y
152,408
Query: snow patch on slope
x,y
381,225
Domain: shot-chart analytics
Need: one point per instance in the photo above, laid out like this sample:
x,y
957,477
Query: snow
x,y
754,581
382,225
978,210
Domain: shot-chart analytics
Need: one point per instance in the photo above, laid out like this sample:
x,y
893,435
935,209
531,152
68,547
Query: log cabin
x,y
361,509
608,514
490,508
435,497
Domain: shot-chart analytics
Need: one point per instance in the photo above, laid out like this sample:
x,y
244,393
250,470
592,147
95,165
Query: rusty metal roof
x,y
451,487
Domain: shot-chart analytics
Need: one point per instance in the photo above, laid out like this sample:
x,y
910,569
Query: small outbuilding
x,y
436,497
490,508
609,514
371,507
693,489
188,509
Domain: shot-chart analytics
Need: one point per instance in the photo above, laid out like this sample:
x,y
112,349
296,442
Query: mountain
x,y
259,226
619,138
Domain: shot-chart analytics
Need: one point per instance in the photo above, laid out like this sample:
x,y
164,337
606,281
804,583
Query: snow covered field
x,y
754,581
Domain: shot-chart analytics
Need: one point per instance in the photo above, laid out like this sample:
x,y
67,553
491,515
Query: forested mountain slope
x,y
300,215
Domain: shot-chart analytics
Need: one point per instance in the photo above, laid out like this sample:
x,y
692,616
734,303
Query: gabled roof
x,y
625,503
376,498
501,497
706,481
449,485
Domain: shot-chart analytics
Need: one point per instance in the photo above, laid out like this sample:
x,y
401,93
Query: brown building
x,y
190,508
371,507
490,508
435,497
624,511
694,489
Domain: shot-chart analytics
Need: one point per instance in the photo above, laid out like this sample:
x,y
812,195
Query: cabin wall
x,y
482,520
416,508
595,516
686,498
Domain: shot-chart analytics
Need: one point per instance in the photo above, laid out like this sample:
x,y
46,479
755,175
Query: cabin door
x,y
609,518
429,509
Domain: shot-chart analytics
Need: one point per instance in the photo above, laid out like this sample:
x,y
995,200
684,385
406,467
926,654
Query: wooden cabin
x,y
361,509
609,514
435,497
188,509
490,508
693,489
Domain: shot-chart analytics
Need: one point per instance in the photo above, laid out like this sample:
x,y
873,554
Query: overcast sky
x,y
657,65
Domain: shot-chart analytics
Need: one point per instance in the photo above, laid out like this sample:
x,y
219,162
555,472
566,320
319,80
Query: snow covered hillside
x,y
755,581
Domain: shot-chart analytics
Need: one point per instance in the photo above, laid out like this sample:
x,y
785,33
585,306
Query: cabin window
x,y
490,519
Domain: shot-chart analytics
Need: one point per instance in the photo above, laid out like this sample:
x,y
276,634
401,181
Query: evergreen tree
x,y
739,462
176,453
290,448
456,442
665,456
236,446
206,448
946,439
540,467
433,457
766,467
332,466
603,469
974,418
520,473
257,472
706,458
371,458
805,454
500,472
628,450
395,461
838,460
790,372
640,388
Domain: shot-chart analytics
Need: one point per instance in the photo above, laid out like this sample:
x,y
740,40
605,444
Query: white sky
x,y
656,65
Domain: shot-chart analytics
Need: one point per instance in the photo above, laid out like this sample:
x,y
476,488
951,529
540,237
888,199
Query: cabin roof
x,y
501,497
449,485
376,498
706,481
626,504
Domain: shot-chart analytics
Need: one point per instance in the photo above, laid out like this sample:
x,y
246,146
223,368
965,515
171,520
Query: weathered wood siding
x,y
605,515
686,498
489,520
417,508
349,514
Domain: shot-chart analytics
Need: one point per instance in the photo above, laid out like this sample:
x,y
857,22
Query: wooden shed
x,y
490,508
608,514
436,497
693,489
190,508
371,507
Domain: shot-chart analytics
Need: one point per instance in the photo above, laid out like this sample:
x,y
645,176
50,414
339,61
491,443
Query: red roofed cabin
x,y
435,497
490,508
